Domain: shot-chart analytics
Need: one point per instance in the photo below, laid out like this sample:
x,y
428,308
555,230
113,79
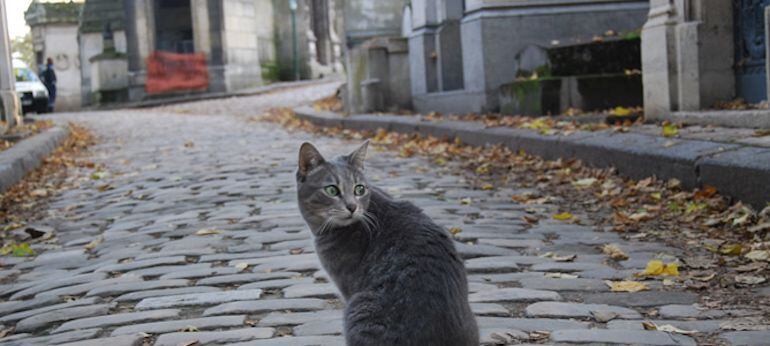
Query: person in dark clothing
x,y
49,80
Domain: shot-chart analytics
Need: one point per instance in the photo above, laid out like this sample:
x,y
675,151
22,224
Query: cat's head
x,y
332,193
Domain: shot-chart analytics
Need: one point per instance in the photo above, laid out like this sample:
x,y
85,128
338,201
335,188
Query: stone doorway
x,y
173,26
750,71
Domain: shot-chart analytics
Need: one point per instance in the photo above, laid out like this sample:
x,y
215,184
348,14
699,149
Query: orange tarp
x,y
168,72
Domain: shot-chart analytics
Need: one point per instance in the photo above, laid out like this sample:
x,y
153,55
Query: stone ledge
x,y
27,155
737,171
754,119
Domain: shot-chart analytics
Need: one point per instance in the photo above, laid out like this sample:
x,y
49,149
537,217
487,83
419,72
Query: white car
x,y
32,92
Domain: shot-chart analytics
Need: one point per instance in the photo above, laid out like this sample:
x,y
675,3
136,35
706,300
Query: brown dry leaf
x,y
705,278
731,249
627,286
614,252
296,251
189,329
560,276
671,329
190,343
759,255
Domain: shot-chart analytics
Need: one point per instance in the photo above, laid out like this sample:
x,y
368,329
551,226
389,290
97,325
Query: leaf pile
x,y
25,202
706,225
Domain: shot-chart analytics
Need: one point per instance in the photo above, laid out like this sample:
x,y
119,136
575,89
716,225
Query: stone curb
x,y
742,172
27,155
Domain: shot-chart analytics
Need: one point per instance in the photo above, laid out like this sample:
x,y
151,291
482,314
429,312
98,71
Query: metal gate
x,y
750,49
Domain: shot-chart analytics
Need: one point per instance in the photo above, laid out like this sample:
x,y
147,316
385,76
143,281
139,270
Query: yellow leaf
x,y
627,286
731,249
656,196
488,187
670,130
563,217
658,268
466,201
455,230
621,111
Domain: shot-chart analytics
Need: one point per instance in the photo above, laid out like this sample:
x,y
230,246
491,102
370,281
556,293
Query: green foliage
x,y
270,72
23,50
17,250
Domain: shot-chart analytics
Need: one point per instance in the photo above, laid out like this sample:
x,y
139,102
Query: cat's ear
x,y
357,157
309,158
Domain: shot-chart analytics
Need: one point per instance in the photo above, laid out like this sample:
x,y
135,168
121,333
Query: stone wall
x,y
687,56
239,38
365,19
378,76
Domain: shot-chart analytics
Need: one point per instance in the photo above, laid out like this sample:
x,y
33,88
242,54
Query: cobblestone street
x,y
192,233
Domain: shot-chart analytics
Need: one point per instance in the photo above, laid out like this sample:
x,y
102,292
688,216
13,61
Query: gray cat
x,y
399,274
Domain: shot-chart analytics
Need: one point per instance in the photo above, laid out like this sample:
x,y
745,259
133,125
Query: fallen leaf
x,y
584,183
760,228
731,249
208,231
94,243
627,286
296,251
705,278
242,266
744,324
670,130
658,268
21,250
614,252
557,258
190,343
560,276
621,111
563,217
671,329
749,280
488,187
758,255
189,329
455,230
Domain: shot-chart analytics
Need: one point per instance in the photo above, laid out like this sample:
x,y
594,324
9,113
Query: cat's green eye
x,y
359,190
332,190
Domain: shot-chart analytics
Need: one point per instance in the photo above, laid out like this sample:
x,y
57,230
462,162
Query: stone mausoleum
x,y
698,53
115,46
462,52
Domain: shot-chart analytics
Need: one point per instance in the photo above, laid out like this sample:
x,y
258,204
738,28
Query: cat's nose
x,y
352,208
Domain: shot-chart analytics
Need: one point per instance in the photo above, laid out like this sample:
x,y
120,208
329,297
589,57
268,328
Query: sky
x,y
15,12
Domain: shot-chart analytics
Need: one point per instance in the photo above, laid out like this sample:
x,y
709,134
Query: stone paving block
x,y
703,326
47,318
163,270
123,340
56,260
246,278
572,310
83,288
619,337
675,311
54,339
296,341
641,299
280,283
219,337
32,312
124,267
117,319
513,243
323,327
19,305
513,295
295,318
165,292
121,288
197,299
58,282
529,324
469,251
507,277
578,284
261,306
200,273
204,323
747,338
567,267
489,309
327,290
